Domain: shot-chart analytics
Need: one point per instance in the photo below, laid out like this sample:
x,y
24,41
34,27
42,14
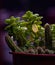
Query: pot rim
x,y
29,54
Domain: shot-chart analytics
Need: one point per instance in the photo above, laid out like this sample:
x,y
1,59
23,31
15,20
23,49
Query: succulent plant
x,y
12,45
30,35
48,36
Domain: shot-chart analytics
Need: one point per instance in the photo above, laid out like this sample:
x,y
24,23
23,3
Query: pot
x,y
32,59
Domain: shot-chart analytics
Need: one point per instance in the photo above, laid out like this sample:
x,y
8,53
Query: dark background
x,y
45,8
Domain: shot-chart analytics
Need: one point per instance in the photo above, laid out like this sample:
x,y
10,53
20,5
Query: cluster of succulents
x,y
27,35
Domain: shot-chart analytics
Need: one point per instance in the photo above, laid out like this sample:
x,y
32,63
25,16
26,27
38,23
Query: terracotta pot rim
x,y
20,53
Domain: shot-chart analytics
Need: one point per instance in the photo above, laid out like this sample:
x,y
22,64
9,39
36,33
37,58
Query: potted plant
x,y
29,40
